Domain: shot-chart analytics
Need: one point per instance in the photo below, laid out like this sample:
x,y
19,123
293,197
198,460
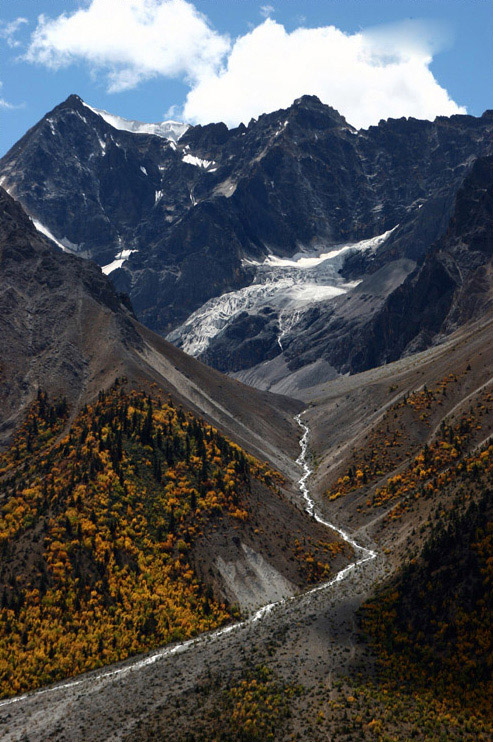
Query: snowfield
x,y
197,161
171,130
120,258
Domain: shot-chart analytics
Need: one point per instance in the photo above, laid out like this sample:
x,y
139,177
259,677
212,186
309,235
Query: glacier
x,y
289,286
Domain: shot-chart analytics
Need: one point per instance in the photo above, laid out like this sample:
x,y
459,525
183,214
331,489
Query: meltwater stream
x,y
365,556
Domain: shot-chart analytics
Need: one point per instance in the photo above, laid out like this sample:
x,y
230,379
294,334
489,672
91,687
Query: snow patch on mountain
x,y
120,258
171,130
192,160
46,232
281,128
304,260
52,128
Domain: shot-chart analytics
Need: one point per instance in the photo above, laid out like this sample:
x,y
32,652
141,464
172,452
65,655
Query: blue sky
x,y
232,59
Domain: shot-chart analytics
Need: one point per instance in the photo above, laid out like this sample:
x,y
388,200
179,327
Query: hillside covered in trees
x,y
428,673
98,523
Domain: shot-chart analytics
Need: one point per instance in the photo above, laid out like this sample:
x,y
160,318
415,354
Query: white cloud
x,y
133,40
5,105
367,76
9,29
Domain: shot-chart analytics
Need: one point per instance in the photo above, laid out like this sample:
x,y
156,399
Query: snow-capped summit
x,y
172,130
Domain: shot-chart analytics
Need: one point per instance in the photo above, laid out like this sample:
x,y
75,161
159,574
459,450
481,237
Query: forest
x,y
96,527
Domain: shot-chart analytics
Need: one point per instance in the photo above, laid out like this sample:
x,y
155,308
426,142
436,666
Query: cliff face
x,y
453,285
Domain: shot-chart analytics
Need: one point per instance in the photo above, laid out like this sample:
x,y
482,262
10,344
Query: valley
x,y
309,641
276,615
245,433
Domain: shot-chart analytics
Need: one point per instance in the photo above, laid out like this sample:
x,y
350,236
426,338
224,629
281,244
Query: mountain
x,y
225,239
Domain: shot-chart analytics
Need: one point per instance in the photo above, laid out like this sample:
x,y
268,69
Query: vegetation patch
x,y
254,707
96,530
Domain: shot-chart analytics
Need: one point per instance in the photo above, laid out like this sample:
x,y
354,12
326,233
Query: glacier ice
x,y
288,285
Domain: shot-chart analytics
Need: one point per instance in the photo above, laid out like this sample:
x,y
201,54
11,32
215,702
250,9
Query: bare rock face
x,y
453,284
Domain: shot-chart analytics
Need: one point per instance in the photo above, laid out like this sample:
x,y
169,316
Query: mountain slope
x,y
141,525
198,211
48,302
65,330
451,286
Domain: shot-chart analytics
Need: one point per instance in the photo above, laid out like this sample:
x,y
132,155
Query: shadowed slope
x,y
65,330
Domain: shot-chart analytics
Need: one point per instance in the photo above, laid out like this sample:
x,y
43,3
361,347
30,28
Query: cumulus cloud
x,y
367,76
133,40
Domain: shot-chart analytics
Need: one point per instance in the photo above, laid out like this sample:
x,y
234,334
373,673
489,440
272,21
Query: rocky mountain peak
x,y
307,112
309,101
311,108
72,101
